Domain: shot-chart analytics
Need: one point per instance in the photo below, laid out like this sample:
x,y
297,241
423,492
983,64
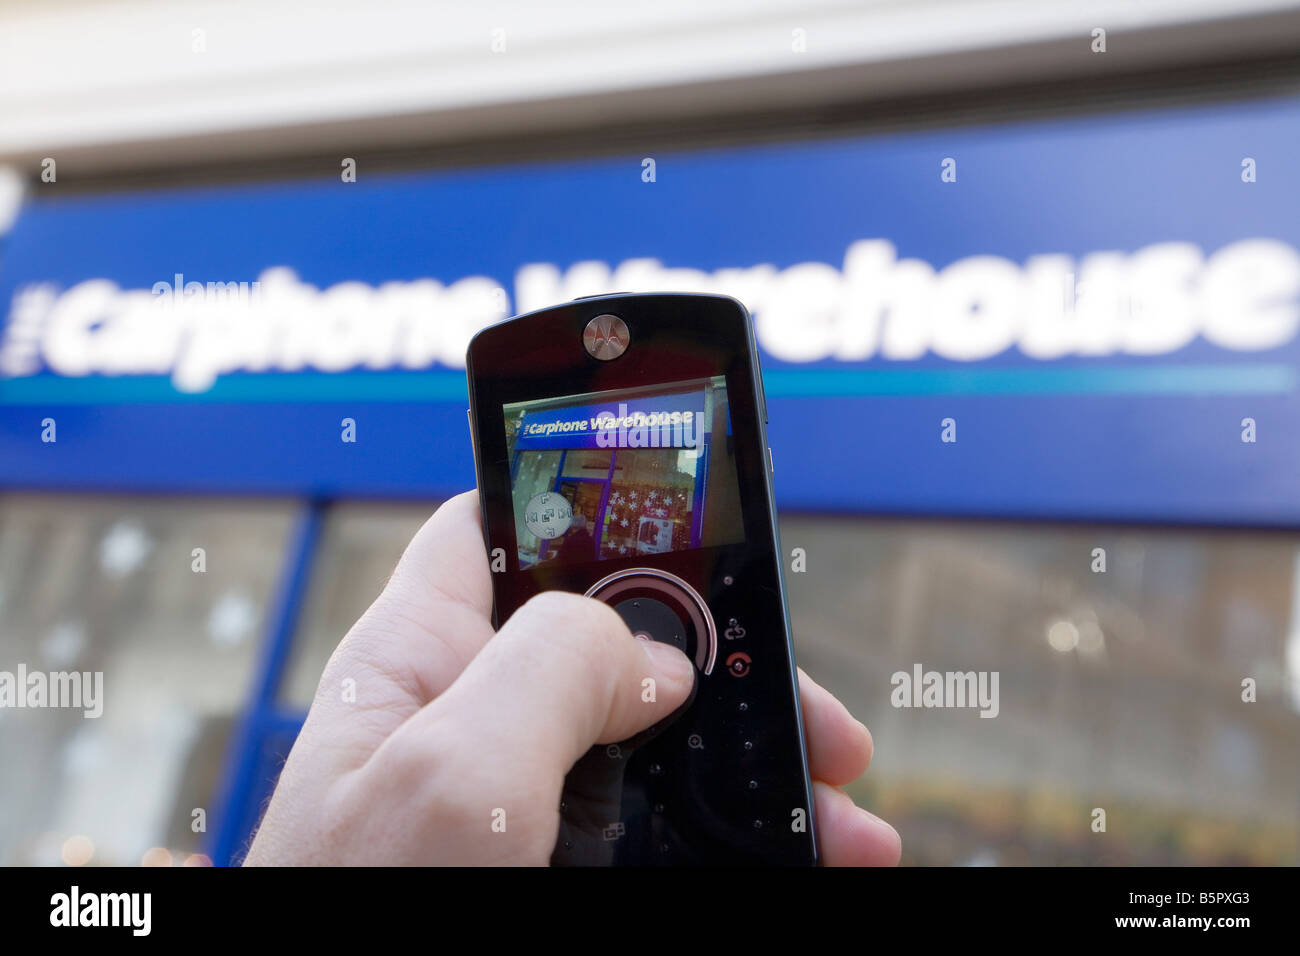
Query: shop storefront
x,y
272,375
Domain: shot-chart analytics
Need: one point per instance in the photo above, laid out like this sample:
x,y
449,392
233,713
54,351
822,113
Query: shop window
x,y
165,600
587,463
651,503
1118,688
359,547
536,473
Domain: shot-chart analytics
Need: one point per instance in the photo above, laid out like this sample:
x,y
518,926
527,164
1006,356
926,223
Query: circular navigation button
x,y
662,607
548,515
653,620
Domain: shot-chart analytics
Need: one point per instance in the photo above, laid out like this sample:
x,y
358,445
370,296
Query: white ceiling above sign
x,y
132,83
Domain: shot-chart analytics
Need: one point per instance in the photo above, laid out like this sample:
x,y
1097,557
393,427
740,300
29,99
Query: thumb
x,y
563,673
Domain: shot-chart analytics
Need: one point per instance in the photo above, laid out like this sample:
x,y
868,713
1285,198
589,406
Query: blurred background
x,y
1071,230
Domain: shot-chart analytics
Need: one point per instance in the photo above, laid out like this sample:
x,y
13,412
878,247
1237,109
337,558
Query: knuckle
x,y
340,816
428,771
450,793
371,649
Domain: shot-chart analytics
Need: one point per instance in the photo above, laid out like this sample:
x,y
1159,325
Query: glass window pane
x,y
359,548
1119,689
587,463
536,473
119,587
656,487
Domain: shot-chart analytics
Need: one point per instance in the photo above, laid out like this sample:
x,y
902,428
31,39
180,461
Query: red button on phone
x,y
738,664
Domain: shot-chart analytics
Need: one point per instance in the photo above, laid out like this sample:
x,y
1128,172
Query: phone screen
x,y
621,473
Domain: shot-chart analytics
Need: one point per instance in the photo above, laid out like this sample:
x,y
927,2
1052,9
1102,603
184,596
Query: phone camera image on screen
x,y
623,473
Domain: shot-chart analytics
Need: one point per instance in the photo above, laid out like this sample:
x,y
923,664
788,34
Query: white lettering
x,y
1154,301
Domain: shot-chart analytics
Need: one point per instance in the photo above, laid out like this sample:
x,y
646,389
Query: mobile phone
x,y
621,452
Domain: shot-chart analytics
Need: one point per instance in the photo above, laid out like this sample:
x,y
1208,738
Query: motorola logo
x,y
606,337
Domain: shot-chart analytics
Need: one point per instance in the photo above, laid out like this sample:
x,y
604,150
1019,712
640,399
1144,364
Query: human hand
x,y
447,723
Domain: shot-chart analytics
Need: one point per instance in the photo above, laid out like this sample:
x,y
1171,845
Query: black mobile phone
x,y
621,453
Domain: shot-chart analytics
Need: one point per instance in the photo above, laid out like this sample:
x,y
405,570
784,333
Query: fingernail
x,y
876,821
669,661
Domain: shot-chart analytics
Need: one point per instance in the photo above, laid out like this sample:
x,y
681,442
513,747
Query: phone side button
x,y
771,468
